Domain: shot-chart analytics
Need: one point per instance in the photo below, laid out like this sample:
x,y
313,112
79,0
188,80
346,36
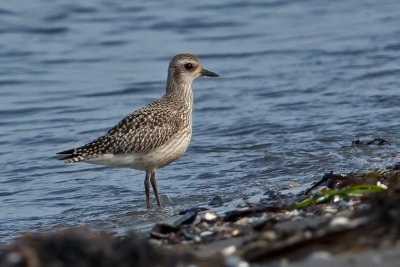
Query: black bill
x,y
205,72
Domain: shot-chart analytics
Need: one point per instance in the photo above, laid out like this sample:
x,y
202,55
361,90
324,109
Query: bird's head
x,y
185,68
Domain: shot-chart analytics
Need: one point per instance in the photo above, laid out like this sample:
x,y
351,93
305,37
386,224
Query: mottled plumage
x,y
154,135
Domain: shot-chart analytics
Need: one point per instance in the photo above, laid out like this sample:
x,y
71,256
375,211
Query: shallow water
x,y
299,81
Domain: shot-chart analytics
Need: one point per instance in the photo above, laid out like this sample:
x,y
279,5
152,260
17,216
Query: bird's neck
x,y
180,92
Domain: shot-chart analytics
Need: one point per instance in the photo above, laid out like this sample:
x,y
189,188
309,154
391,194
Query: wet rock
x,y
238,213
270,197
197,209
375,141
396,167
88,248
162,230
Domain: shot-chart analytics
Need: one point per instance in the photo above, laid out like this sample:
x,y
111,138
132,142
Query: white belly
x,y
155,159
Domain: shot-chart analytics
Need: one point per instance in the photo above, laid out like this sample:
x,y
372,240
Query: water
x,y
299,80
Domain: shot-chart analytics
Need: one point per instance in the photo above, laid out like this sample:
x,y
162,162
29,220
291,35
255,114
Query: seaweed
x,y
334,194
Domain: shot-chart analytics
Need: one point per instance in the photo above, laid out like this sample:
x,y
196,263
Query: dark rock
x,y
161,230
198,209
86,248
234,215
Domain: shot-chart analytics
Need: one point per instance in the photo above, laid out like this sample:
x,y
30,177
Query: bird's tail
x,y
71,155
86,152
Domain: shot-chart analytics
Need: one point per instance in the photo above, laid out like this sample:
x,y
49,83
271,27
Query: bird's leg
x,y
154,185
147,188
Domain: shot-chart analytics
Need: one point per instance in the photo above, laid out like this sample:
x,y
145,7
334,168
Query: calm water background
x,y
299,80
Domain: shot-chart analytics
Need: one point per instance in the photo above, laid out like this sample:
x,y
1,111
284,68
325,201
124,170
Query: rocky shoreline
x,y
342,220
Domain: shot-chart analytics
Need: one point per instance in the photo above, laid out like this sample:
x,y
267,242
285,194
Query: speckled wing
x,y
145,130
141,132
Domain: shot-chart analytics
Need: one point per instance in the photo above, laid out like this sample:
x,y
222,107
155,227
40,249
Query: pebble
x,y
197,239
381,185
308,234
228,250
336,199
14,258
247,221
339,221
234,261
330,209
321,255
235,232
270,236
206,234
292,213
210,217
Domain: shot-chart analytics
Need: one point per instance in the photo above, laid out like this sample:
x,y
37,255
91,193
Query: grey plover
x,y
153,136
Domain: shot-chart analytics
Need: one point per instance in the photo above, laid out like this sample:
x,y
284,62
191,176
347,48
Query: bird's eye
x,y
188,66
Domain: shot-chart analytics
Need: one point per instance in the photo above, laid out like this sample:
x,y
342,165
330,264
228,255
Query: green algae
x,y
344,193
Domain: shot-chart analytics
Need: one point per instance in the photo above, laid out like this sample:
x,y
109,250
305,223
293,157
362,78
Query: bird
x,y
153,136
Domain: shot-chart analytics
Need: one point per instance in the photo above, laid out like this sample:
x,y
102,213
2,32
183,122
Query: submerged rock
x,y
216,201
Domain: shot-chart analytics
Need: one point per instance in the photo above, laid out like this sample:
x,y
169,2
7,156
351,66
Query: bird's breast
x,y
155,159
